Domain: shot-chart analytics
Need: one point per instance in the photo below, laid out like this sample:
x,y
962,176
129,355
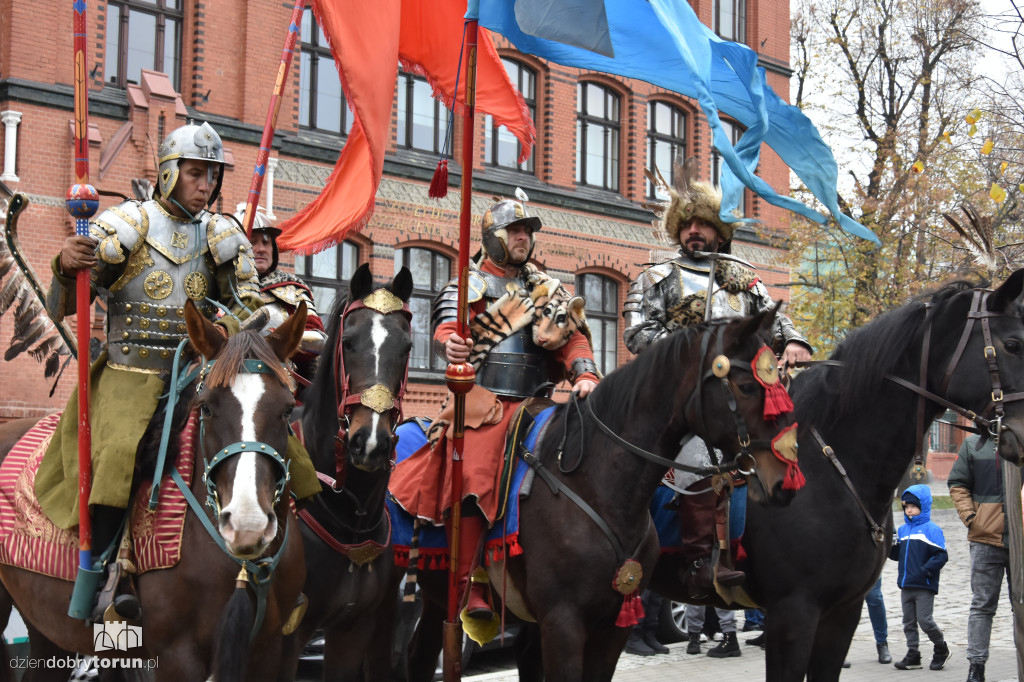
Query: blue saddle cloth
x,y
666,521
433,542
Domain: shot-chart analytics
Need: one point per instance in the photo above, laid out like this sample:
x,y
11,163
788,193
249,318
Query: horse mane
x,y
889,344
618,391
246,343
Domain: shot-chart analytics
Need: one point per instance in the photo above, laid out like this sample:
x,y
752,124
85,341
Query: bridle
x,y
376,396
989,423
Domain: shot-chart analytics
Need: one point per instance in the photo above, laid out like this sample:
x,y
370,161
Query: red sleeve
x,y
576,348
446,329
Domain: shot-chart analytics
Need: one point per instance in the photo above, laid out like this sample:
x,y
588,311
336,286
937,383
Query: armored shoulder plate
x,y
226,239
124,226
289,293
496,285
655,274
446,305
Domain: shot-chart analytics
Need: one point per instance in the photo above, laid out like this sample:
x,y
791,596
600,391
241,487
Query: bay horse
x,y
698,380
351,411
199,615
810,564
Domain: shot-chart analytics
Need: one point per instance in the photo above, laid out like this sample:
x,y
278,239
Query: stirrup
x,y
112,607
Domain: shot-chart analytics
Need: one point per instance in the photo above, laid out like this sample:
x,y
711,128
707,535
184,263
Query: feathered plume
x,y
978,238
33,331
688,198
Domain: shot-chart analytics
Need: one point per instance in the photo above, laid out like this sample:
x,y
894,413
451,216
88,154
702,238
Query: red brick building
x,y
152,64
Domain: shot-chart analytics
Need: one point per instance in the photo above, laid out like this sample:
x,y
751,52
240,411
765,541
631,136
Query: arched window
x,y
666,140
733,132
597,136
327,273
430,272
730,17
422,120
500,146
602,296
143,34
321,100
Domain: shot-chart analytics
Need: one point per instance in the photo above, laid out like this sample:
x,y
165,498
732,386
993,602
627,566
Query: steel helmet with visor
x,y
494,224
192,141
262,228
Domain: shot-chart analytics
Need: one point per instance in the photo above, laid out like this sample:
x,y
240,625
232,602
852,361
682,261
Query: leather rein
x,y
984,425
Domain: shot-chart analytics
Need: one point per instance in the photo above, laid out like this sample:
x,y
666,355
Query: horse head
x,y
982,335
244,402
741,407
371,367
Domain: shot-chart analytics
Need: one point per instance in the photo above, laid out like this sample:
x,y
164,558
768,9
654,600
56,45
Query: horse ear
x,y
205,336
401,285
361,284
285,339
1003,297
761,323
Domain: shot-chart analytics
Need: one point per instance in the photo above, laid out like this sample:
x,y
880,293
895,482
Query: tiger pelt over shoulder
x,y
554,314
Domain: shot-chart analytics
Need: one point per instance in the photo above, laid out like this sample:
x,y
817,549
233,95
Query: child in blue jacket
x,y
921,550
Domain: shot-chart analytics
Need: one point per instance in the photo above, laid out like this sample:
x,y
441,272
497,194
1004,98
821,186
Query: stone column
x,y
269,189
10,119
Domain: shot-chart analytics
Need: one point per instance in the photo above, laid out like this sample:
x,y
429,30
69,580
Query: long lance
x,y
82,202
460,377
256,186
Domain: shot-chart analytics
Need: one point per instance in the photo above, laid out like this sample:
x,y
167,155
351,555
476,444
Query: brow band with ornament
x,y
383,301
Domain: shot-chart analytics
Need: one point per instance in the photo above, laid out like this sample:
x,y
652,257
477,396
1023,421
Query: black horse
x,y
351,411
811,563
563,578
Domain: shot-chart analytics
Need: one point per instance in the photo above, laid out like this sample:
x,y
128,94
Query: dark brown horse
x,y
194,618
352,409
563,579
811,563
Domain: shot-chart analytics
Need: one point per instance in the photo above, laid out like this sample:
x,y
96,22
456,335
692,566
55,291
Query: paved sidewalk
x,y
952,606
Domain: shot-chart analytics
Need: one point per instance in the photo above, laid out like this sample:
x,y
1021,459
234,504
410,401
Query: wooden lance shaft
x,y
460,377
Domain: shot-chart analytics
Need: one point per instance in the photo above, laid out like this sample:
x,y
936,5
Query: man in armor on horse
x,y
510,368
674,294
281,294
147,259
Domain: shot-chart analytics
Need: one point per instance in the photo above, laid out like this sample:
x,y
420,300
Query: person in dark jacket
x,y
921,550
976,486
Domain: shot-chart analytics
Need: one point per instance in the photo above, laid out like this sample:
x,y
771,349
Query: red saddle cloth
x,y
29,540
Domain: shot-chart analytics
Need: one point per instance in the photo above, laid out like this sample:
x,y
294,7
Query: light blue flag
x,y
663,43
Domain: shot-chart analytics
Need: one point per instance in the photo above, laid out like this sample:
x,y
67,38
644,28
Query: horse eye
x,y
204,410
287,414
1012,346
747,388
346,343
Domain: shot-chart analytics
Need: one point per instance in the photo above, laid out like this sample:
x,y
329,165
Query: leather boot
x,y
725,576
111,603
697,533
471,539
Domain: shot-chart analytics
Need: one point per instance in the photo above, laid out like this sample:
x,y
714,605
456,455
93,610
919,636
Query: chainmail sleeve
x,y
783,331
644,313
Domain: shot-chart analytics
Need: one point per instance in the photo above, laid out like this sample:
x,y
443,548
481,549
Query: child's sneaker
x,y
940,656
912,661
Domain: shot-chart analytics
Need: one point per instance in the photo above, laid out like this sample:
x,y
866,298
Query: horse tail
x,y
231,650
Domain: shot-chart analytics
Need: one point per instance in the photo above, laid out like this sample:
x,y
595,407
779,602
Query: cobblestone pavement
x,y
952,606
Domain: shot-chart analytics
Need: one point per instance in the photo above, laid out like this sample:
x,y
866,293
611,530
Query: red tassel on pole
x,y
439,183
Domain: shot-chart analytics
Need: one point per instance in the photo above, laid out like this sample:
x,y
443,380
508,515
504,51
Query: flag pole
x,y
460,377
81,202
256,186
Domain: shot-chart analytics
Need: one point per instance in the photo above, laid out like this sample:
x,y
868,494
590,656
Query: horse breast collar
x,y
377,397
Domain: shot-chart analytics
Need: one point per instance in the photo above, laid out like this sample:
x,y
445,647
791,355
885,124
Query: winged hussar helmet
x,y
688,198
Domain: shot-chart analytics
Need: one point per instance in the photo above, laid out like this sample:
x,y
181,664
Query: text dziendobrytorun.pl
x,y
70,663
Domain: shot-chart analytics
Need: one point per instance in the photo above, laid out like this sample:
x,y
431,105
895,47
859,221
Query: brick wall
x,y
230,55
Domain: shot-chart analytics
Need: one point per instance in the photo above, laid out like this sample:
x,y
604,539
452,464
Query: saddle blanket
x,y
29,540
433,542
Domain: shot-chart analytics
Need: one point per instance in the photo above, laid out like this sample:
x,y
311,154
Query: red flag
x,y
367,40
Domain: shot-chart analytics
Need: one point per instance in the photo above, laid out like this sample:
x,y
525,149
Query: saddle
x,y
30,540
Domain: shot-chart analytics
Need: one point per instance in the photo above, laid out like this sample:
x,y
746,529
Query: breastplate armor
x,y
145,313
686,290
515,368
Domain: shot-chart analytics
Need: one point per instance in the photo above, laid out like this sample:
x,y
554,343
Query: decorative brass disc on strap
x,y
627,578
196,286
720,366
378,398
